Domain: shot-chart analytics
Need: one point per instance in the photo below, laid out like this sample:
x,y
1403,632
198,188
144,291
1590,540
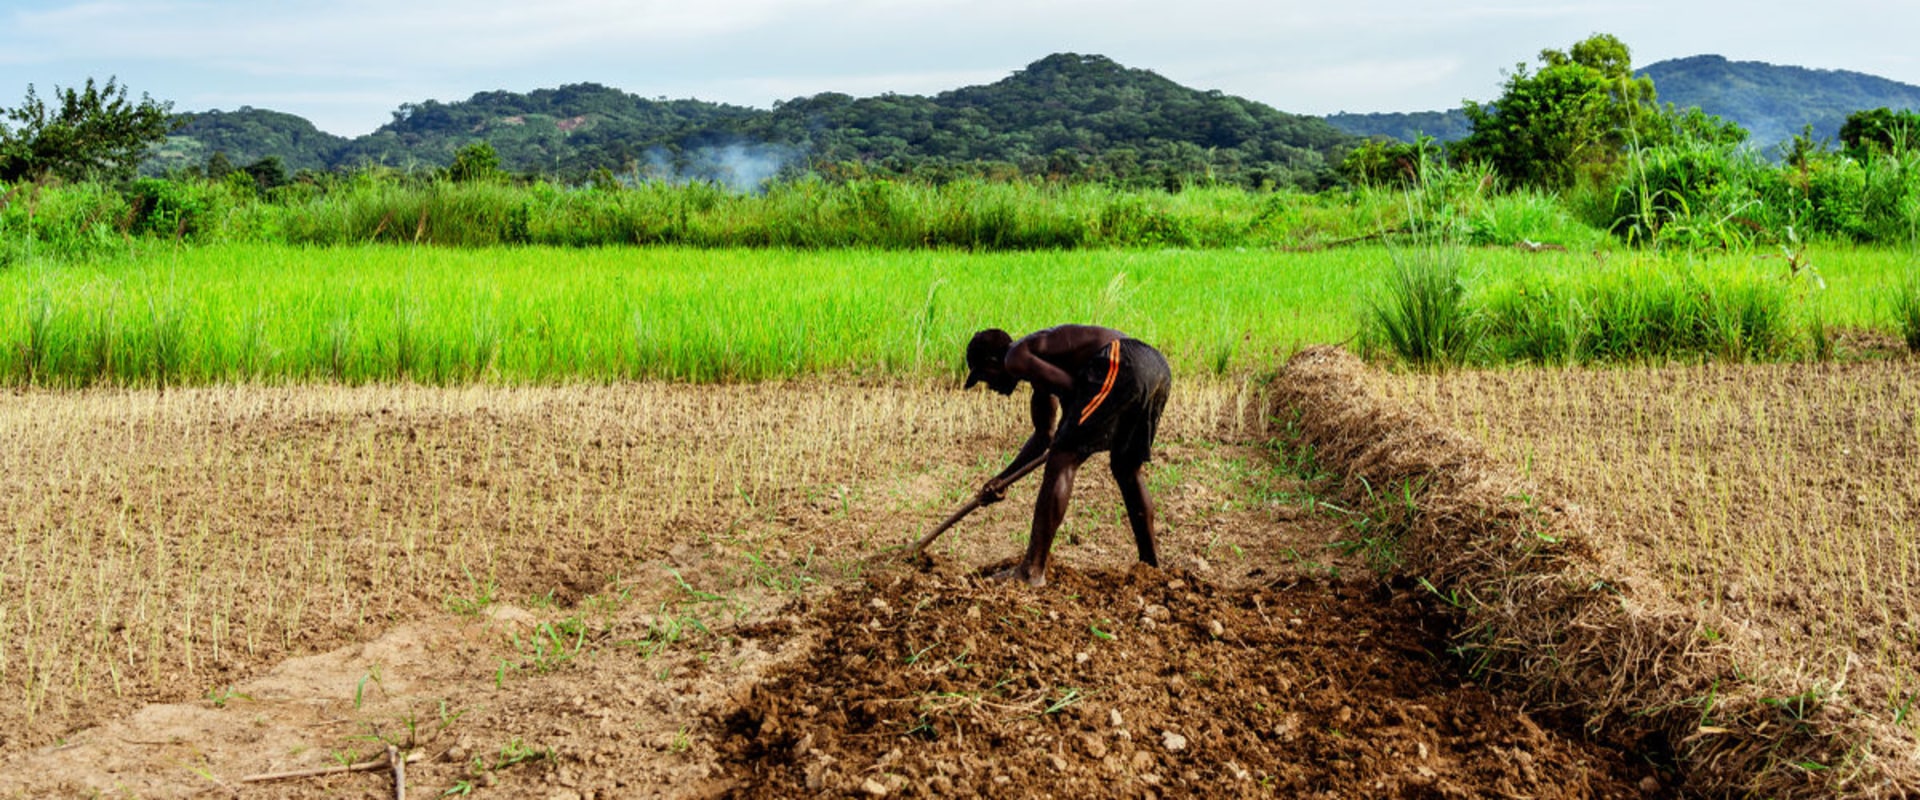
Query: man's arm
x,y
1043,409
1024,362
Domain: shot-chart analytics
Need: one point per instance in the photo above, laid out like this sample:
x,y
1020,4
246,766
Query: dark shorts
x,y
1116,404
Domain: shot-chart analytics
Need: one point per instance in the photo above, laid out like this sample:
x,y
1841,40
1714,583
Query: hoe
x,y
1014,477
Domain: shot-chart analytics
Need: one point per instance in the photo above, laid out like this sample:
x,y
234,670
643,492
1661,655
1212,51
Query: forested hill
x,y
1773,102
1078,116
247,136
1776,102
1445,126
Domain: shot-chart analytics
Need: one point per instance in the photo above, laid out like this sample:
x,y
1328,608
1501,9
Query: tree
x,y
1573,117
476,162
1882,129
268,173
91,133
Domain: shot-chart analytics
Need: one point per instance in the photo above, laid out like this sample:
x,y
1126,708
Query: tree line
x,y
1580,125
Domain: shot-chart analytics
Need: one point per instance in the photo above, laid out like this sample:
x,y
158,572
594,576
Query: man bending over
x,y
1106,392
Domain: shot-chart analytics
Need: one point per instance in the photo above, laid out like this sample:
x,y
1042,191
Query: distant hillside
x,y
1081,116
1445,126
1774,103
246,136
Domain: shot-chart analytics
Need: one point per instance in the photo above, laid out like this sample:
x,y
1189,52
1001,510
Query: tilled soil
x,y
1144,684
654,633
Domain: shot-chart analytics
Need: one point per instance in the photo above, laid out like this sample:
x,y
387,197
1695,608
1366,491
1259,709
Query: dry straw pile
x,y
1571,624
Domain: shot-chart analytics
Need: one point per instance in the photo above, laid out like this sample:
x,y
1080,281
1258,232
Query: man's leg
x,y
1056,488
1133,491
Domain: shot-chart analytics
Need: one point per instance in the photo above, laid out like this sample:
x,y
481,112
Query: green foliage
x,y
1572,116
1409,127
807,213
1880,131
1703,194
177,209
1572,120
1693,194
476,163
1064,118
1640,315
92,132
1378,162
1903,299
1422,316
246,136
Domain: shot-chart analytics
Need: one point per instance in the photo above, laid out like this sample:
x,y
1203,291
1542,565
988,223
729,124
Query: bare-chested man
x,y
1106,391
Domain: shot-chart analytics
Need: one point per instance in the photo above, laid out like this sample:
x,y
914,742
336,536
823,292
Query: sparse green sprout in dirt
x,y
480,596
370,680
220,696
551,645
1067,697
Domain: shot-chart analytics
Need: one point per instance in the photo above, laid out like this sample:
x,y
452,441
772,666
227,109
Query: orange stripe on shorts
x,y
1113,371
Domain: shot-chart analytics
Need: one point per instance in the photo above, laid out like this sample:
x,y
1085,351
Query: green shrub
x,y
64,222
177,210
1421,315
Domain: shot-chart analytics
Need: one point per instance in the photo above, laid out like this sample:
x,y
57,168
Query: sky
x,y
347,65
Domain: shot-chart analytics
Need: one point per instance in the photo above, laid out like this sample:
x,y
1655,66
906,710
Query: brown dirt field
x,y
693,594
1144,683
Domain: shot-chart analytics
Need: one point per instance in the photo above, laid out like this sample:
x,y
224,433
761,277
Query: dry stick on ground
x,y
364,766
399,773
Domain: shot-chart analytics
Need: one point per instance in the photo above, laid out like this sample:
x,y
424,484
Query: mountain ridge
x,y
1067,114
1773,102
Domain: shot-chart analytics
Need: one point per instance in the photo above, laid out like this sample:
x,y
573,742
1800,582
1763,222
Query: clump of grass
x,y
1649,314
1422,316
1904,299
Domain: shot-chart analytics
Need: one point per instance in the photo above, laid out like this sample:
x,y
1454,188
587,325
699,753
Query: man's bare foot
x,y
1019,572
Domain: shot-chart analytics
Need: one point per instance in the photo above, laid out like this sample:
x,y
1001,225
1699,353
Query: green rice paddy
x,y
353,314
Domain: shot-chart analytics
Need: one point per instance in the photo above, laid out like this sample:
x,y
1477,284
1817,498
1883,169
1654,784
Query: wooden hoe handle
x,y
970,506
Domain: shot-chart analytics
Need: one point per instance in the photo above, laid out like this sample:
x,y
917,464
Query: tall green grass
x,y
1697,195
268,313
1422,315
86,221
1903,299
1432,311
1649,315
259,313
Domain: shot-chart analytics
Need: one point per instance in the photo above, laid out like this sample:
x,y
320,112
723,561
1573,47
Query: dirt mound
x,y
1144,683
1561,624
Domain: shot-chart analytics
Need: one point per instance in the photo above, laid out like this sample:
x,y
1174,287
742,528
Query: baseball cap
x,y
987,348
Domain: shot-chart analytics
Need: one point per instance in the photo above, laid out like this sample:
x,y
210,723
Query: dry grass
x,y
1778,501
1723,557
156,545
